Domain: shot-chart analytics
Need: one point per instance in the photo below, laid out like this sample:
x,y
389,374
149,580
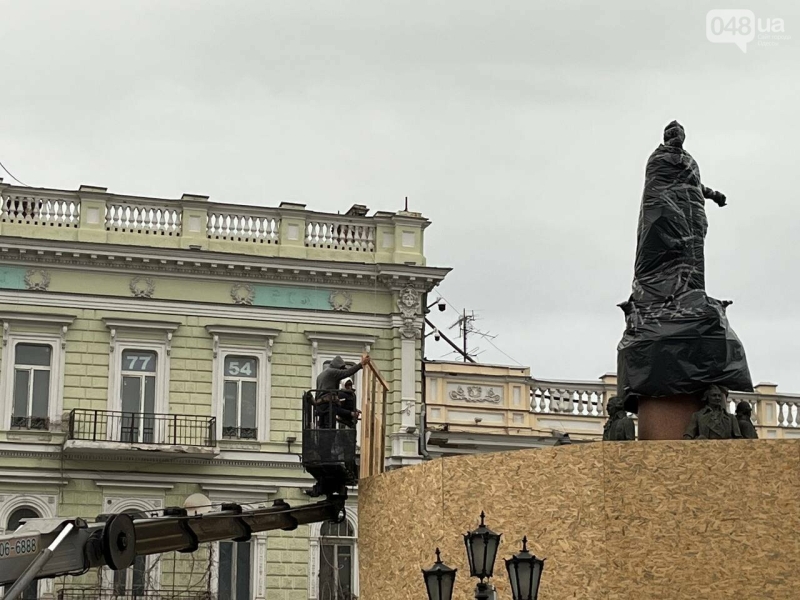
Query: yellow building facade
x,y
157,349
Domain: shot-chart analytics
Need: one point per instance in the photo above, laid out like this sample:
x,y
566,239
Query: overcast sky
x,y
520,128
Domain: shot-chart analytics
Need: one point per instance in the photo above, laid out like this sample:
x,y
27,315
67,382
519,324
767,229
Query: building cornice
x,y
139,485
49,319
340,338
176,262
251,332
141,324
52,451
197,309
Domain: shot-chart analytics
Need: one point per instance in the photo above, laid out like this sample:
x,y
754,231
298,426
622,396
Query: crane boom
x,y
115,540
47,548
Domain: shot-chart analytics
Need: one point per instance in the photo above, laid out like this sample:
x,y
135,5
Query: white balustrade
x,y
788,413
340,235
244,228
143,218
568,399
44,211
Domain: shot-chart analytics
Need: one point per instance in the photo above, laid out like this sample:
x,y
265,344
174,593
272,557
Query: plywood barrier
x,y
374,390
674,520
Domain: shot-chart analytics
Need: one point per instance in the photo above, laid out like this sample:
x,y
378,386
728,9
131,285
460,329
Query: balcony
x,y
106,430
91,214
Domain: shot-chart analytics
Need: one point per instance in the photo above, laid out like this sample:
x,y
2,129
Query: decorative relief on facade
x,y
341,301
243,293
142,287
37,279
475,393
409,303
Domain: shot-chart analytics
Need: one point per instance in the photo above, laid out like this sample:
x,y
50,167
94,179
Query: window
x,y
131,582
31,377
240,397
242,378
138,395
14,521
143,578
235,567
336,561
32,366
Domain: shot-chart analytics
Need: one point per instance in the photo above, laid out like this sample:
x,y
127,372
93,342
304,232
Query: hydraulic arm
x,y
115,540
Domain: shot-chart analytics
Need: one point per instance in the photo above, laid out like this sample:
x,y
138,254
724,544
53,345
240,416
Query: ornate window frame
x,y
244,341
59,324
118,504
135,334
258,553
351,514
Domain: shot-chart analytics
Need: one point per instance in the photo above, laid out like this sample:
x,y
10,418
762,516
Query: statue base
x,y
666,418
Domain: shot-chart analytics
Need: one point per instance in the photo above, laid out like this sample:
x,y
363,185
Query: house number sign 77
x,y
139,361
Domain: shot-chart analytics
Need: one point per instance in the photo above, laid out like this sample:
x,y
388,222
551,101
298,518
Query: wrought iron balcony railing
x,y
239,433
36,423
142,428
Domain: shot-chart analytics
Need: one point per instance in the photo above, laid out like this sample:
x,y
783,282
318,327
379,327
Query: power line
x,y
466,324
10,174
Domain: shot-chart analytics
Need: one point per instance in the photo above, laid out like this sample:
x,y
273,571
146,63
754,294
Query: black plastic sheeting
x,y
677,339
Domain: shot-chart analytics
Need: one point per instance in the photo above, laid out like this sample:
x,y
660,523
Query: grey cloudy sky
x,y
521,129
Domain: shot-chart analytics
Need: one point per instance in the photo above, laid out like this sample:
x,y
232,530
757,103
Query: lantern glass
x,y
482,545
439,580
524,573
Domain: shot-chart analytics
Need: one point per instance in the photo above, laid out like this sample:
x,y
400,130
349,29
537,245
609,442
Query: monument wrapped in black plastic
x,y
677,340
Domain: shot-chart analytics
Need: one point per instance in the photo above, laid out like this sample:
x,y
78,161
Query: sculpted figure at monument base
x,y
744,413
619,427
713,421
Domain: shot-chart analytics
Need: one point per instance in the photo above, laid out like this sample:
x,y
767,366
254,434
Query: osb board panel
x,y
616,521
404,511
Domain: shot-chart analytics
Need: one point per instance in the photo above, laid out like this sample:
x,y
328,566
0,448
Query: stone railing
x,y
584,398
150,218
341,235
91,214
43,210
244,227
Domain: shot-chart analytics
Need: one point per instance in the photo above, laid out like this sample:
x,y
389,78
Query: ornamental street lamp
x,y
524,569
524,572
482,544
439,580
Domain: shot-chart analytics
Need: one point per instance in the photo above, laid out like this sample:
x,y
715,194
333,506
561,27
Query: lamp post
x,y
524,572
439,580
482,544
524,569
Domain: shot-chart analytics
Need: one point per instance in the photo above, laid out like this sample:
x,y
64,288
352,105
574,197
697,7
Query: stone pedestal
x,y
666,418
